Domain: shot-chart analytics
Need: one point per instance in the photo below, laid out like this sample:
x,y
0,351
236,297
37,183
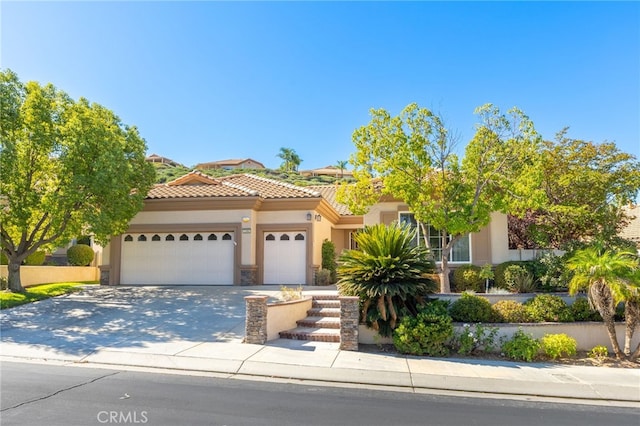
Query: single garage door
x,y
285,257
205,258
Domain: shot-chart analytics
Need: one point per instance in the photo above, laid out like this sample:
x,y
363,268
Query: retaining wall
x,y
33,275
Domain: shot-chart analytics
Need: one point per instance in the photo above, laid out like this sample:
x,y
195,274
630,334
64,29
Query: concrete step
x,y
325,303
324,312
312,334
319,322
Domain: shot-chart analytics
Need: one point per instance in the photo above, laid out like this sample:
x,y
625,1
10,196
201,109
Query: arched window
x,y
169,238
197,237
142,238
299,237
284,237
226,237
212,237
128,238
184,237
155,238
270,237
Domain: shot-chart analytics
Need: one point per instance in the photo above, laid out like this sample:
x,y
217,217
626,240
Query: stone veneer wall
x,y
248,275
256,320
349,318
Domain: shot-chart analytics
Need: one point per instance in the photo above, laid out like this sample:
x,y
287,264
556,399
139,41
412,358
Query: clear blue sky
x,y
207,81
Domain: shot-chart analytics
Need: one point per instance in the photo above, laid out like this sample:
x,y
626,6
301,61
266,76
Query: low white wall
x,y
283,316
33,275
587,334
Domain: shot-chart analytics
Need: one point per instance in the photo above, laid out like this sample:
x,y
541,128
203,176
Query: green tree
x,y
66,168
342,165
609,277
411,157
290,159
587,185
388,272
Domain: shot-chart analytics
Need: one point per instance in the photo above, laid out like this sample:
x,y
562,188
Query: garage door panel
x,y
285,257
178,259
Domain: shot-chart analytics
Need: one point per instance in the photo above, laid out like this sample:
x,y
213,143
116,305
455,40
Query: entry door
x,y
285,257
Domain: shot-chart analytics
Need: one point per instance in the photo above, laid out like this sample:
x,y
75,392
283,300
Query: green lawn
x,y
39,292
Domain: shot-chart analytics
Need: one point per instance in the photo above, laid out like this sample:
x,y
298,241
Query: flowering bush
x,y
521,347
558,345
472,340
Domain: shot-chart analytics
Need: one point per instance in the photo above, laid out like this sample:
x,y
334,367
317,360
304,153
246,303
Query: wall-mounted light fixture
x,y
245,219
318,218
309,216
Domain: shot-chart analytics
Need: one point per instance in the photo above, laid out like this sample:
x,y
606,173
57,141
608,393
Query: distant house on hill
x,y
327,171
246,163
155,158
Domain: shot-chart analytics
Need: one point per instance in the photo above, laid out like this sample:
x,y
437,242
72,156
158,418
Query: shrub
x,y
80,255
499,280
599,353
471,341
472,308
3,259
582,311
288,294
427,333
329,259
558,345
519,280
467,277
36,258
511,311
521,347
323,277
389,274
554,274
548,307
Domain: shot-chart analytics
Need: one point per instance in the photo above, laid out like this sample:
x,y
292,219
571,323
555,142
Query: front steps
x,y
322,323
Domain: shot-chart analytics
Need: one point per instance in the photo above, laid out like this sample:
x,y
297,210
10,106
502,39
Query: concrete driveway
x,y
154,319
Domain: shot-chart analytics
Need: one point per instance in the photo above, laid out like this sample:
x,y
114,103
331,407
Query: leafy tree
x,y
586,185
66,168
291,160
389,274
609,277
411,157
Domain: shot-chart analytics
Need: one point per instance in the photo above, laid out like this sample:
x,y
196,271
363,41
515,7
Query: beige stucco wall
x,y
33,275
499,238
195,216
321,232
283,316
283,217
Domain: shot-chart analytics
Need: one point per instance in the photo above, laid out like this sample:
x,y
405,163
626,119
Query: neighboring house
x,y
246,163
154,158
246,230
632,231
327,171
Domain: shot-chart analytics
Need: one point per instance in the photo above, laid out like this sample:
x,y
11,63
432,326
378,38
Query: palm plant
x,y
609,277
341,164
389,273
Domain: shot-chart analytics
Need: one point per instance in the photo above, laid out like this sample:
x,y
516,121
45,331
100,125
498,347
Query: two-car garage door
x,y
205,258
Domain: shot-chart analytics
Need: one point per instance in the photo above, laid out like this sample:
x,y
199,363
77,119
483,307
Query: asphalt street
x,y
36,394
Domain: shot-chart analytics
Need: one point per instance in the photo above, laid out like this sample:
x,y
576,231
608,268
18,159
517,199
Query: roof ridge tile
x,y
285,184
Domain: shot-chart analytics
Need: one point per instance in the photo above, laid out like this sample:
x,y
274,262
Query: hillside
x,y
166,173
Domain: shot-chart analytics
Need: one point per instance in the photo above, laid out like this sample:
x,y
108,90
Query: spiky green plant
x,y
389,273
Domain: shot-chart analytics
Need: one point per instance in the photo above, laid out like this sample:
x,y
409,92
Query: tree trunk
x,y
13,281
635,353
602,299
632,317
445,286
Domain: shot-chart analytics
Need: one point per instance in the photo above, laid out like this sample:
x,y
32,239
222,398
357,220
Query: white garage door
x,y
285,257
178,258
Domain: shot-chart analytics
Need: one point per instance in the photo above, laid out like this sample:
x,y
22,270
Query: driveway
x,y
154,319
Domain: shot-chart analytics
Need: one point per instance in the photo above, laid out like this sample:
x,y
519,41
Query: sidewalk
x,y
198,331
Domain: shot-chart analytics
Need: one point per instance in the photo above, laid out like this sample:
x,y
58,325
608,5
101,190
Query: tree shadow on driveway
x,y
99,317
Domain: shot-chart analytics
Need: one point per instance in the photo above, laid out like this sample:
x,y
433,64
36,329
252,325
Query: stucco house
x,y
245,163
247,230
332,171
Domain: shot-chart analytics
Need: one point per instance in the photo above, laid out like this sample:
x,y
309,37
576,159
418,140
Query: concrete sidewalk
x,y
84,343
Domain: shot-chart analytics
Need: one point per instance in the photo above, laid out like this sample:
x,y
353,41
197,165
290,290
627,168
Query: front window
x,y
460,252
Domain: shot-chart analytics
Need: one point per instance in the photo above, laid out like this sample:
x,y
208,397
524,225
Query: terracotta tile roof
x,y
197,184
329,193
